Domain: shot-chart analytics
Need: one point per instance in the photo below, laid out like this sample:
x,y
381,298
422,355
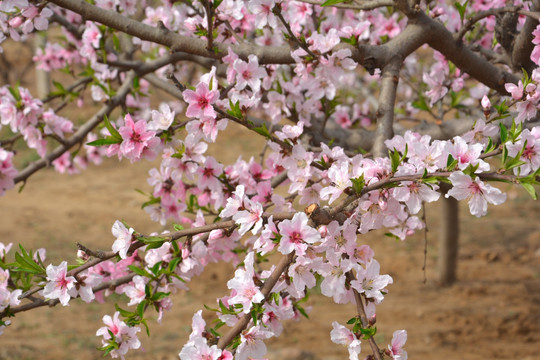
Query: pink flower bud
x,y
16,22
486,104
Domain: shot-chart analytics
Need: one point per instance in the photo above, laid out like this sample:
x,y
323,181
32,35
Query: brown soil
x,y
492,312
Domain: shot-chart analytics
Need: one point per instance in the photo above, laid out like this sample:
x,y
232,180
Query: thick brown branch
x,y
464,58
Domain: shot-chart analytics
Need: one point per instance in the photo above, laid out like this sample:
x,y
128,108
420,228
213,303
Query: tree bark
x,y
448,239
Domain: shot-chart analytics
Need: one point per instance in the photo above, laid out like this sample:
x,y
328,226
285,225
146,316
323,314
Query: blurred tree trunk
x,y
448,239
42,76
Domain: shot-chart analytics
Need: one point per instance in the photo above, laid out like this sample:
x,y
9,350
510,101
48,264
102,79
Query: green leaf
x,y
26,263
504,154
395,158
368,332
490,146
421,104
107,141
263,130
173,264
138,270
504,133
178,227
333,2
14,90
136,83
235,109
114,133
116,42
352,320
123,312
530,189
358,184
215,333
461,9
451,163
61,89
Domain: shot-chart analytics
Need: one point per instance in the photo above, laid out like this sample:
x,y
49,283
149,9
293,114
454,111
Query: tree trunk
x,y
42,76
448,239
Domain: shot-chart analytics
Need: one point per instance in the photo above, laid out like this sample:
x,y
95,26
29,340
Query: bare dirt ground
x,y
493,312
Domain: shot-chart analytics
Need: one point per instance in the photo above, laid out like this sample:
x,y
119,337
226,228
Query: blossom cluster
x,y
297,101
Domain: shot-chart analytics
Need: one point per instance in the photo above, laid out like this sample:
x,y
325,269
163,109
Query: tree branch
x,y
443,41
523,46
81,133
265,290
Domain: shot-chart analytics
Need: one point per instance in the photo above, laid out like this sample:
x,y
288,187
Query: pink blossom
x,y
476,191
436,90
249,73
296,234
162,119
136,292
245,292
340,181
467,154
208,174
370,282
530,155
124,336
200,102
343,336
84,284
414,193
123,238
7,171
250,218
251,344
136,139
527,109
263,13
58,283
516,91
396,346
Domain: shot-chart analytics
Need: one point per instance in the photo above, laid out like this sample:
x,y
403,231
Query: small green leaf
x,y
420,104
461,9
235,109
114,133
451,163
333,2
530,189
263,130
358,184
178,227
395,158
504,133
138,270
102,142
14,90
